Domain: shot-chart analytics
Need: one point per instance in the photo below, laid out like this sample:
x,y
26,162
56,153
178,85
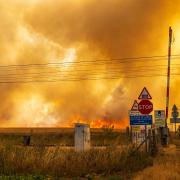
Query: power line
x,y
40,72
136,69
99,70
78,69
85,78
120,60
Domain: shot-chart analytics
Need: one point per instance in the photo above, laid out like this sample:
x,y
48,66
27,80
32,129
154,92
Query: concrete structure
x,y
82,137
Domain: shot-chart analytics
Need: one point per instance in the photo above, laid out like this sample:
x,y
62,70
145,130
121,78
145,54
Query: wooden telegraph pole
x,y
168,74
168,86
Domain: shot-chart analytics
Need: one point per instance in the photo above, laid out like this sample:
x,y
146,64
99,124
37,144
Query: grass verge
x,y
56,162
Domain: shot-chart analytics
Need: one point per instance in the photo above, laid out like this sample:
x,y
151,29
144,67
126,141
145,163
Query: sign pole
x,y
175,125
146,138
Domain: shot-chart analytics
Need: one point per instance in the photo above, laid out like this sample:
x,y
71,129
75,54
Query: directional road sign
x,y
141,120
177,120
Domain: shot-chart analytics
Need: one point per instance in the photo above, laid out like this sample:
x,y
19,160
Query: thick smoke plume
x,y
46,31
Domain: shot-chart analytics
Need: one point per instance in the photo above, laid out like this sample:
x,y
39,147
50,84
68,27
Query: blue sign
x,y
141,120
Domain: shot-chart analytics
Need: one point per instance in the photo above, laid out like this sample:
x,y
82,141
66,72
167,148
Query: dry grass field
x,y
60,136
51,155
55,162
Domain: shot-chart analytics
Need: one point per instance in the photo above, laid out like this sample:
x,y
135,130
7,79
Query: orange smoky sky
x,y
69,31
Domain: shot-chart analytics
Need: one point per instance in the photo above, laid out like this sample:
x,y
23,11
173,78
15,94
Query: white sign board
x,y
159,116
138,137
136,128
134,113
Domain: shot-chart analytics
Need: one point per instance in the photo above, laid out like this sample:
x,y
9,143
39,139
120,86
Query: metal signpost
x,y
175,115
139,114
145,107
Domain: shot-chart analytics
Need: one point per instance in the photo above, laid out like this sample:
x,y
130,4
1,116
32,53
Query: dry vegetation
x,y
166,167
64,137
52,156
44,162
57,162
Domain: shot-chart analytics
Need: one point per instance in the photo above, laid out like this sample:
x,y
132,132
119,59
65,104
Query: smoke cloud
x,y
46,31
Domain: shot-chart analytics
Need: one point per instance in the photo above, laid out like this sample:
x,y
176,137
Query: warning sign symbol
x,y
145,94
135,106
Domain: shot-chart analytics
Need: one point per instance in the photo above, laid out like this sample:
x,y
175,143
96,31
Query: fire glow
x,y
116,124
44,32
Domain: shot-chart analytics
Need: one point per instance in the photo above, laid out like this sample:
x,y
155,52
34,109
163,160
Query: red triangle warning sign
x,y
145,94
135,106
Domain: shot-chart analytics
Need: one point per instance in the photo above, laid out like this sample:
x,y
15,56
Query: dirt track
x,y
166,165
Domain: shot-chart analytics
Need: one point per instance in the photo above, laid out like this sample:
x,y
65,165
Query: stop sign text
x,y
145,107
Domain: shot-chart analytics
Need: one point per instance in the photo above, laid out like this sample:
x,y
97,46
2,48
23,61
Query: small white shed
x,y
82,137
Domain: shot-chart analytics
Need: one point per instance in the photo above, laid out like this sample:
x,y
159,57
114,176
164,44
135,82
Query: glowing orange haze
x,y
67,31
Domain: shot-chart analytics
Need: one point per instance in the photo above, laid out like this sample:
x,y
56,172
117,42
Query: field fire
x,y
89,89
55,73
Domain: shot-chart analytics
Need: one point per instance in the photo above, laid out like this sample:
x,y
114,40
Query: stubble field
x,y
51,155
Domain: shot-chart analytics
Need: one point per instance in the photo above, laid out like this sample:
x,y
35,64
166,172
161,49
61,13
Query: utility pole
x,y
168,73
168,85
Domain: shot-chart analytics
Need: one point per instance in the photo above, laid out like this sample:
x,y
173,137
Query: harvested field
x,y
61,136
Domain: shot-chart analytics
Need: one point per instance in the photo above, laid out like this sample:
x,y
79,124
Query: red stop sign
x,y
145,107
